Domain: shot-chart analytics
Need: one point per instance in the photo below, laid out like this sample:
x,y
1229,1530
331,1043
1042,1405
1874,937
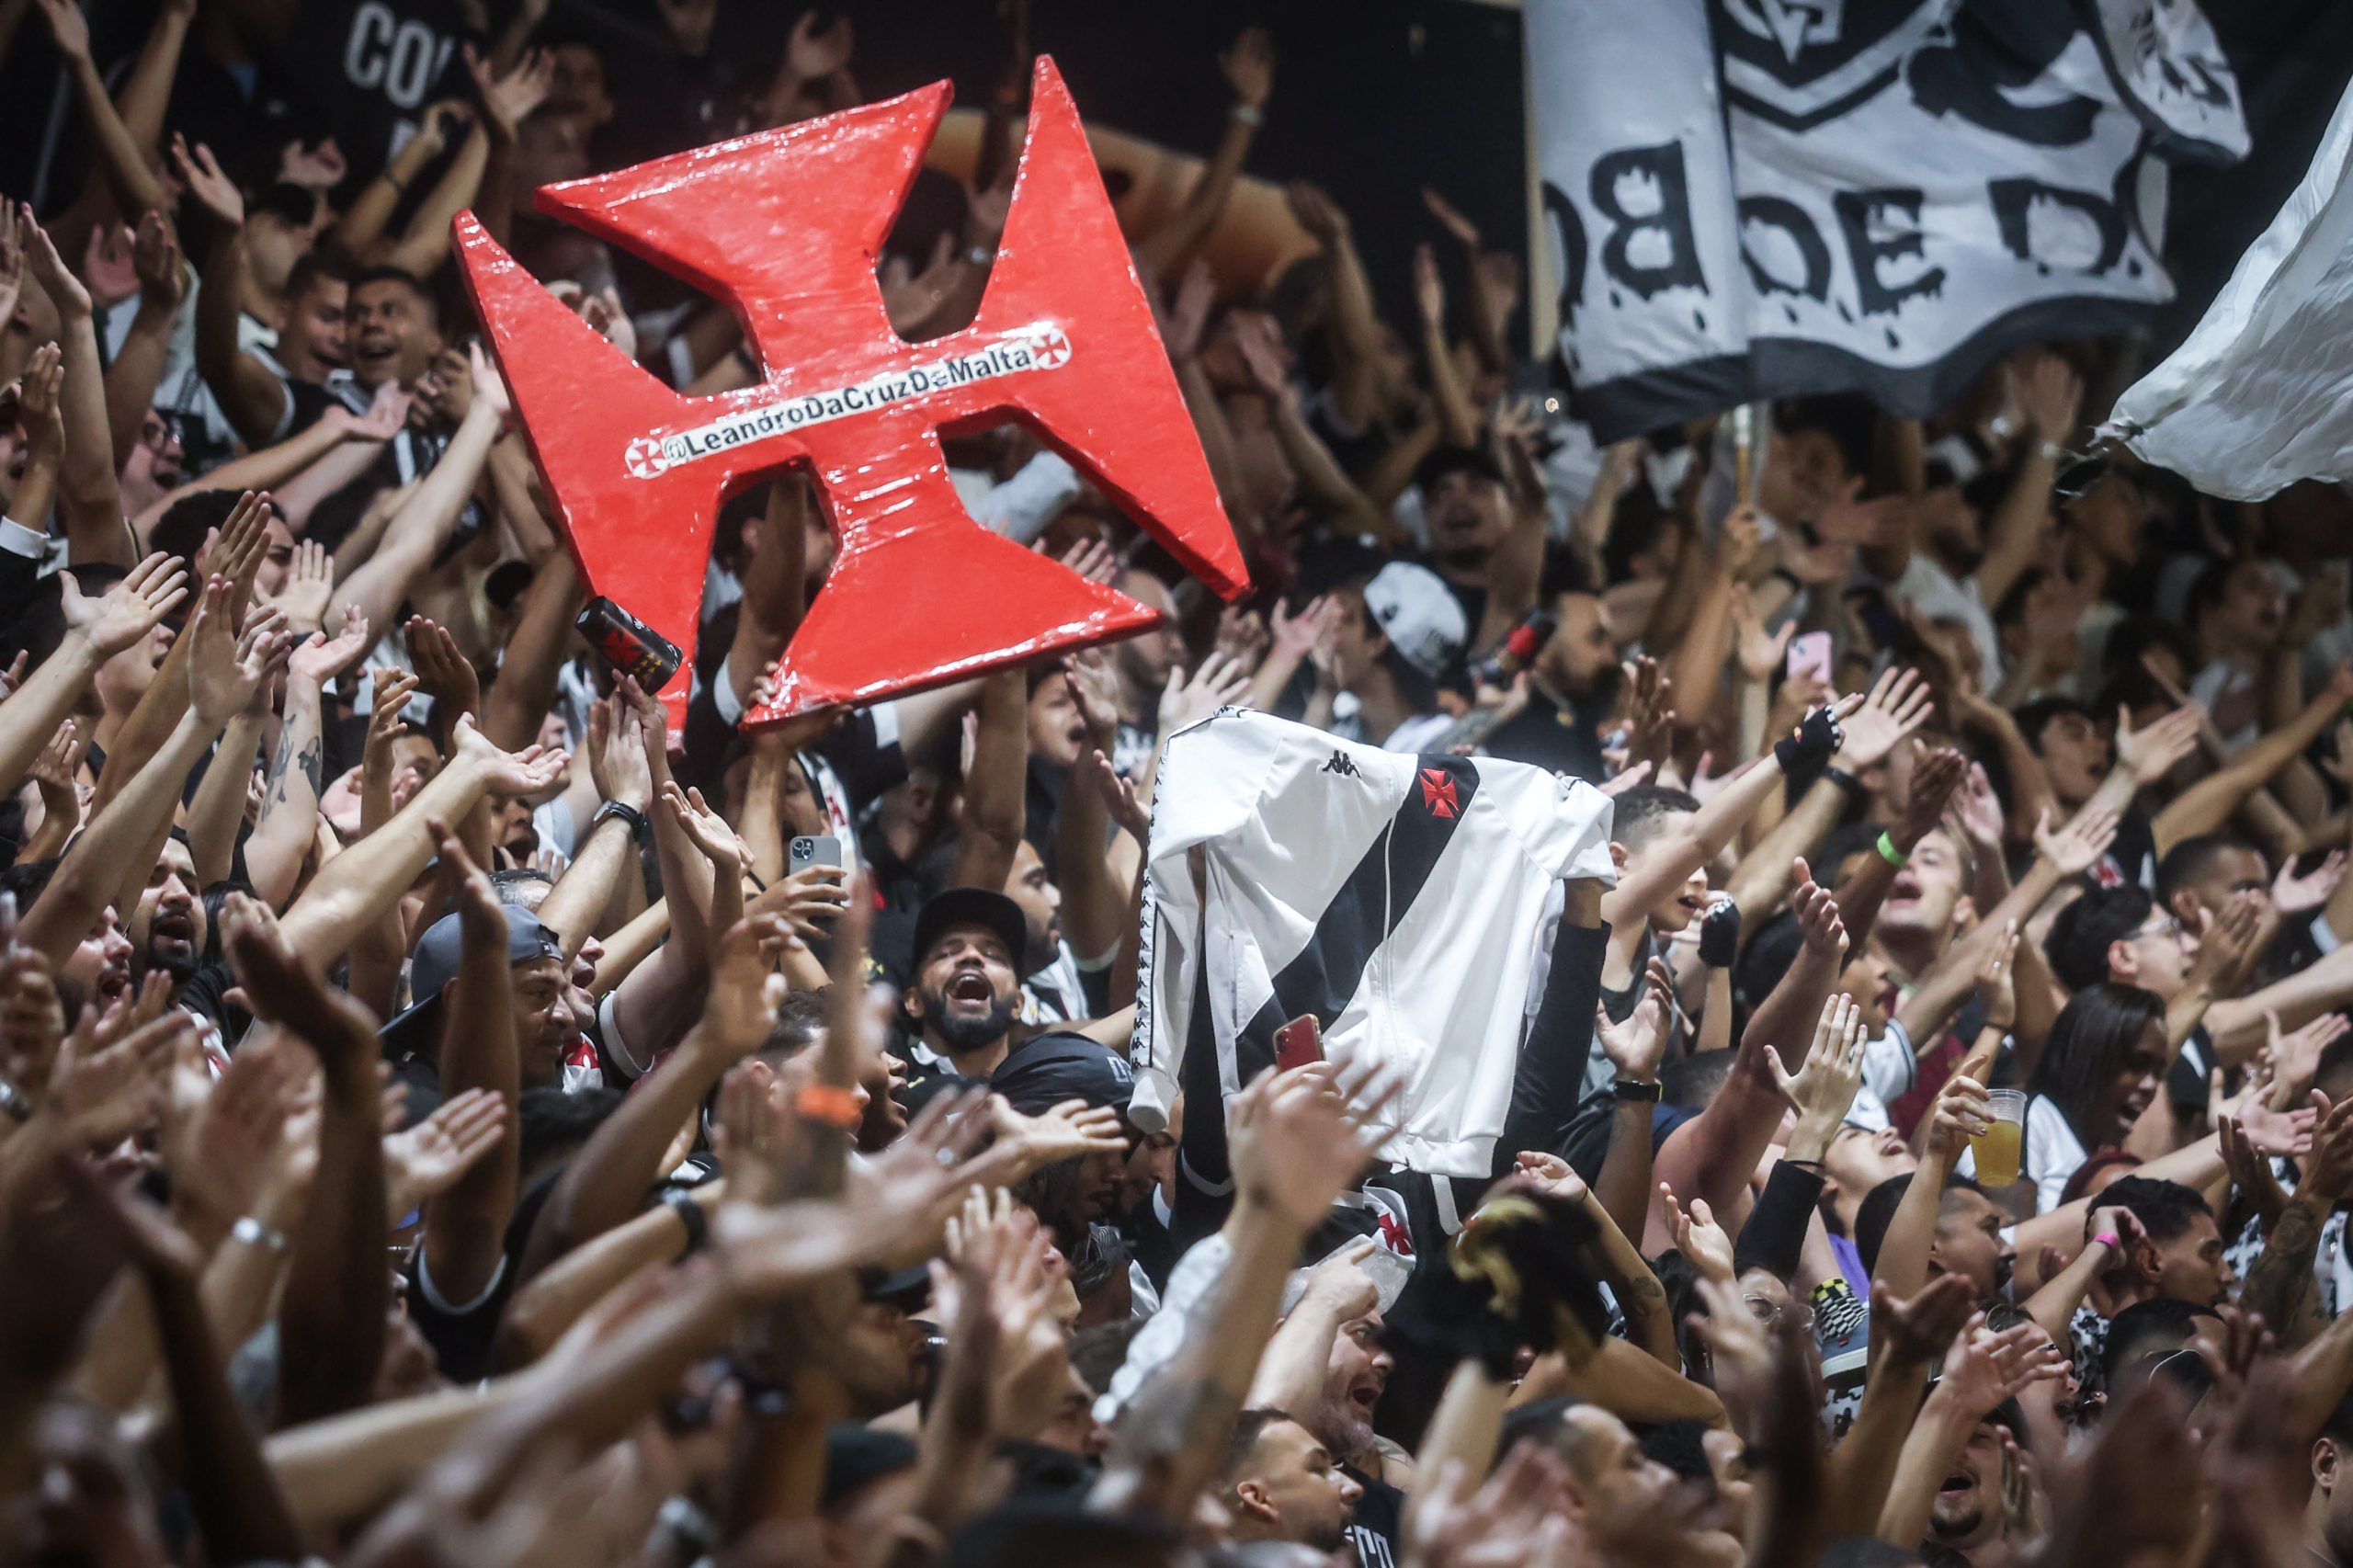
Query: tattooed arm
x,y
289,803
2279,1286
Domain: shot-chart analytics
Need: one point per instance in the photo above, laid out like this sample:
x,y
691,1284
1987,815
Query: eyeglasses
x,y
1768,1312
2167,926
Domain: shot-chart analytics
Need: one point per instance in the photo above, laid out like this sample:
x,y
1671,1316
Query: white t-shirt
x,y
2053,1151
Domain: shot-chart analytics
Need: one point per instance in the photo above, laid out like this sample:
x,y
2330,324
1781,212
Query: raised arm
x,y
339,1290
356,887
2206,805
96,630
994,783
289,803
465,1227
120,158
2052,395
1249,69
86,497
424,523
224,668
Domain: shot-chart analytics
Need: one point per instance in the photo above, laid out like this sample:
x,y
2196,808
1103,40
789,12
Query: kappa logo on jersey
x,y
1341,764
1438,793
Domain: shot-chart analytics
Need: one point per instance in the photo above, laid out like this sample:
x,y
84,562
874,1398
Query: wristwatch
x,y
253,1233
1649,1094
641,828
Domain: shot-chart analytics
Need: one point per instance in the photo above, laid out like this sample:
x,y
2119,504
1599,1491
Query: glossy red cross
x,y
1438,792
786,226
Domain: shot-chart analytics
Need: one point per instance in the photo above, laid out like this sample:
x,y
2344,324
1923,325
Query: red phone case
x,y
1299,1042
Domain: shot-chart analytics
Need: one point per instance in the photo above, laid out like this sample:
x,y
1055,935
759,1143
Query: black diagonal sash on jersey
x,y
1324,974
1360,917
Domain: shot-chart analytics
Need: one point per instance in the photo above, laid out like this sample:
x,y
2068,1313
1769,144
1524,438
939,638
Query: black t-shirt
x,y
376,65
1564,740
1379,1530
466,1342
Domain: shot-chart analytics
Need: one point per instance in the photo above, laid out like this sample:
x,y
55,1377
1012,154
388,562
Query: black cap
x,y
1458,459
435,964
1047,1068
969,907
857,1456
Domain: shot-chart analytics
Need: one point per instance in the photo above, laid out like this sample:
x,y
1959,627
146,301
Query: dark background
x,y
1373,98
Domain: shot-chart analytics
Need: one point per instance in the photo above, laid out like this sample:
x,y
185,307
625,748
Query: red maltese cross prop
x,y
786,226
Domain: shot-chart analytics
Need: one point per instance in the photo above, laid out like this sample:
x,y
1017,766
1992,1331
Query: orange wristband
x,y
834,1107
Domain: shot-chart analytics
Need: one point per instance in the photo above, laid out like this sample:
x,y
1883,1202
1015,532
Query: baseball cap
x,y
435,964
1445,461
1047,1068
969,907
1419,615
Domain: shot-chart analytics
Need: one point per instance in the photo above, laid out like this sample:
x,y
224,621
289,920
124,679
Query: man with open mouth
x,y
967,990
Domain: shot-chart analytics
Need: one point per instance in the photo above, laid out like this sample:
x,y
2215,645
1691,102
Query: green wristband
x,y
1889,853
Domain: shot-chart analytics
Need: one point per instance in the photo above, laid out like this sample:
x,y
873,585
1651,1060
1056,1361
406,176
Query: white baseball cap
x,y
1419,615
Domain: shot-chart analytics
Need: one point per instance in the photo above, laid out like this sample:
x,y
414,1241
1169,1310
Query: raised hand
x,y
1316,212
1637,1046
1915,1331
1760,652
132,609
155,256
1697,1237
813,53
1937,779
309,585
1550,1174
1429,287
226,667
2050,393
2226,943
1824,1084
1897,706
1983,1368
2076,847
1293,636
1120,796
1300,1138
2281,1135
507,101
705,827
1650,711
1249,67
1817,914
445,675
1216,684
213,190
321,658
320,168
1962,1112
1976,810
2149,755
67,28
489,386
426,1160
48,269
510,774
1024,1144
898,1194
2293,894
745,990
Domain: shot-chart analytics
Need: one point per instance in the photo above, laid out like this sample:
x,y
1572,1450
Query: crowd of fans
x,y
452,1113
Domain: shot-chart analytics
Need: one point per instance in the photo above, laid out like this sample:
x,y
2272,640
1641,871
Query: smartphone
x,y
1810,657
1299,1042
821,851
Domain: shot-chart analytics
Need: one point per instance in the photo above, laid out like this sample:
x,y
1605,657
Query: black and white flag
x,y
1756,198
